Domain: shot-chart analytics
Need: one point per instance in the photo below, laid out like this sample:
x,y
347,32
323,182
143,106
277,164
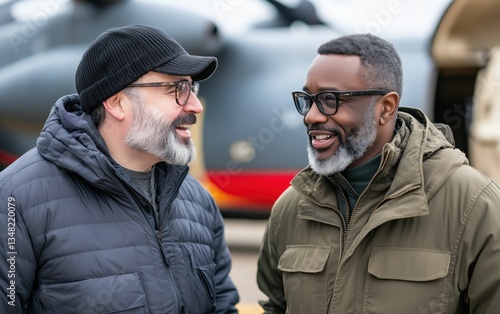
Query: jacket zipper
x,y
348,215
157,231
351,213
349,219
133,195
157,214
158,236
344,225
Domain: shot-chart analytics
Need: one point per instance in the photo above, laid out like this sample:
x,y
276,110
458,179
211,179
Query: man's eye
x,y
329,97
328,100
169,89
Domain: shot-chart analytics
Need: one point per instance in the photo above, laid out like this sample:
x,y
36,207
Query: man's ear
x,y
114,107
389,107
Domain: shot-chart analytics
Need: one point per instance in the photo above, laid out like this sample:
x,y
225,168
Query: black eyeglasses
x,y
328,101
183,89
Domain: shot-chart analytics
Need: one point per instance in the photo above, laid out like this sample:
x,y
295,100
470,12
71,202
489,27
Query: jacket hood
x,y
426,153
71,140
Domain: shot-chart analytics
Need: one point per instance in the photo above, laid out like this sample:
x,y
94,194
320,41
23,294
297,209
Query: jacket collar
x,y
71,140
400,177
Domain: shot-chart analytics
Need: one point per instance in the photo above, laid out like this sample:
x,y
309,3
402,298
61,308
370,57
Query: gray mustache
x,y
185,119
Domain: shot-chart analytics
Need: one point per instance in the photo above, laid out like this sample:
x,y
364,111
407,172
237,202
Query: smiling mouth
x,y
321,140
322,137
183,127
183,131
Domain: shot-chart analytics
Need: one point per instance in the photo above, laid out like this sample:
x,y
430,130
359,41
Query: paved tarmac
x,y
244,238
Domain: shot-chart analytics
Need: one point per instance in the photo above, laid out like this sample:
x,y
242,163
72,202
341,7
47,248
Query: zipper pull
x,y
158,234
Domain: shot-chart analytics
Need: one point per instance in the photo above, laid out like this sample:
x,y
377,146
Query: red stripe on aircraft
x,y
249,189
7,158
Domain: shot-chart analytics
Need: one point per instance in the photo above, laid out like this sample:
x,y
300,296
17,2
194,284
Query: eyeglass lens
x,y
184,90
326,103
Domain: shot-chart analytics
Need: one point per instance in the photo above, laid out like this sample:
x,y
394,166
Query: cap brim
x,y
198,67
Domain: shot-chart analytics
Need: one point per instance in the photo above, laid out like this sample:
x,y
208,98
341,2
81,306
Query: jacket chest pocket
x,y
122,293
406,280
305,277
197,286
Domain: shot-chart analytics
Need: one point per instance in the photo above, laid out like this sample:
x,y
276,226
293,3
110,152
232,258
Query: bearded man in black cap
x,y
103,216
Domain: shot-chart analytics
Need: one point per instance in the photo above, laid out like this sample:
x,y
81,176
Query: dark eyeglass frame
x,y
193,87
304,110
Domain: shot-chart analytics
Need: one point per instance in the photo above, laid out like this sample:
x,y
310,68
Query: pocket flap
x,y
111,294
304,258
408,264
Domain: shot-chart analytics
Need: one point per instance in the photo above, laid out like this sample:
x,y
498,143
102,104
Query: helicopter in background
x,y
250,140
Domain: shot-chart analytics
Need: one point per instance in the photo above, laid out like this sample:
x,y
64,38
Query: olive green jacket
x,y
424,237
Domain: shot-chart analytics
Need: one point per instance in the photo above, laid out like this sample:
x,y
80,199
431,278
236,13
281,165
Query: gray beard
x,y
150,133
353,148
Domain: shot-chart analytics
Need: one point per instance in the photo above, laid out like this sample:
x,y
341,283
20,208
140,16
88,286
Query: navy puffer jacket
x,y
82,240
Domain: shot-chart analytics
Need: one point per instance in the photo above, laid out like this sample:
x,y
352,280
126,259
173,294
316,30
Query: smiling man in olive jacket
x,y
388,217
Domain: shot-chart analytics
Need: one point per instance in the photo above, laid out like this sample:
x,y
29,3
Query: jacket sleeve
x,y
480,257
17,261
269,278
226,294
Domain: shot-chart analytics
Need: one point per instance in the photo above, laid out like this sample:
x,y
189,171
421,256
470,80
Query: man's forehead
x,y
334,72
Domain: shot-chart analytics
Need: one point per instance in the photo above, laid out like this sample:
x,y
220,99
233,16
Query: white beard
x,y
152,133
353,148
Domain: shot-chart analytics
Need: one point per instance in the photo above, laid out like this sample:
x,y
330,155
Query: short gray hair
x,y
98,113
382,68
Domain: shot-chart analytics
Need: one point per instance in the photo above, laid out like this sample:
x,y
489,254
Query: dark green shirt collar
x,y
359,176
